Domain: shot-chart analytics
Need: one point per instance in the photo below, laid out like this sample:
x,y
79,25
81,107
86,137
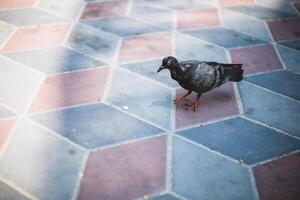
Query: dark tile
x,y
285,29
17,84
255,143
104,125
283,82
149,69
164,197
34,157
68,89
54,60
295,44
270,108
290,57
9,193
145,99
122,26
5,128
262,12
216,104
245,24
200,174
28,17
225,37
189,48
279,179
256,58
125,172
5,113
93,42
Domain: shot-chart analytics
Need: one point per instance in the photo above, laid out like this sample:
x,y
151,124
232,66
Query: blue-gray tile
x,y
295,44
143,98
5,113
5,31
184,4
41,163
283,82
17,84
255,143
225,37
149,69
8,193
95,125
272,109
122,26
262,12
27,17
54,60
190,48
280,5
153,14
164,197
290,57
245,24
93,42
200,174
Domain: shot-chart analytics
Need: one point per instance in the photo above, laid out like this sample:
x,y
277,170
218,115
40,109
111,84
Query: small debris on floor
x,y
241,161
125,107
145,197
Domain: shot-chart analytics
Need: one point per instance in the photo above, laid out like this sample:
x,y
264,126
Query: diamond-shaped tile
x,y
122,172
54,60
283,82
235,2
93,42
295,44
285,29
245,24
256,58
197,18
5,113
36,37
122,26
104,9
255,143
215,104
27,17
146,99
145,47
270,108
8,192
9,4
95,125
149,70
5,128
290,57
279,179
184,4
40,154
199,174
17,84
69,89
225,37
190,48
5,31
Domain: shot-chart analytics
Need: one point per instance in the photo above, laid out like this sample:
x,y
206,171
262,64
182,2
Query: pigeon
x,y
200,77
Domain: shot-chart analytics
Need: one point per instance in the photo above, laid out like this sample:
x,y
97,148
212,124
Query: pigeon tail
x,y
235,73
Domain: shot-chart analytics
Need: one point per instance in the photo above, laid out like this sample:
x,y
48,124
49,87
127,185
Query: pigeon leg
x,y
195,104
181,99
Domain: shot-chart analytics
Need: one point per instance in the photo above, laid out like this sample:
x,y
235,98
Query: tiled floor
x,y
84,115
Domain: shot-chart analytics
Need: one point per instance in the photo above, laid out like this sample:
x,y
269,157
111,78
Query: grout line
x,y
265,72
10,108
129,7
253,183
279,56
270,127
5,42
17,188
273,92
80,175
178,196
238,99
8,118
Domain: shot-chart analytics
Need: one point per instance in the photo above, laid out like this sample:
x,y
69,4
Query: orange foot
x,y
194,105
182,99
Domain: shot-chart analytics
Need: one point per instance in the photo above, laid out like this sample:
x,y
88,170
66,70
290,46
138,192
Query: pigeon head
x,y
168,63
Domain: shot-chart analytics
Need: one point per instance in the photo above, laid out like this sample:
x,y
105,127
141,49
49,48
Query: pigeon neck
x,y
176,72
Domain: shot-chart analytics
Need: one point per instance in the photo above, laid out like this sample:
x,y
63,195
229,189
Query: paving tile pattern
x,y
84,115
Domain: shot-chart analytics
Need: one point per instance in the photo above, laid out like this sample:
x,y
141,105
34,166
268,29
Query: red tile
x,y
5,127
197,18
70,89
235,2
256,58
14,4
144,47
37,37
285,29
215,104
125,172
104,9
279,179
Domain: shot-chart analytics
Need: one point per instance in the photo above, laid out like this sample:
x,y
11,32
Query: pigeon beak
x,y
160,68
